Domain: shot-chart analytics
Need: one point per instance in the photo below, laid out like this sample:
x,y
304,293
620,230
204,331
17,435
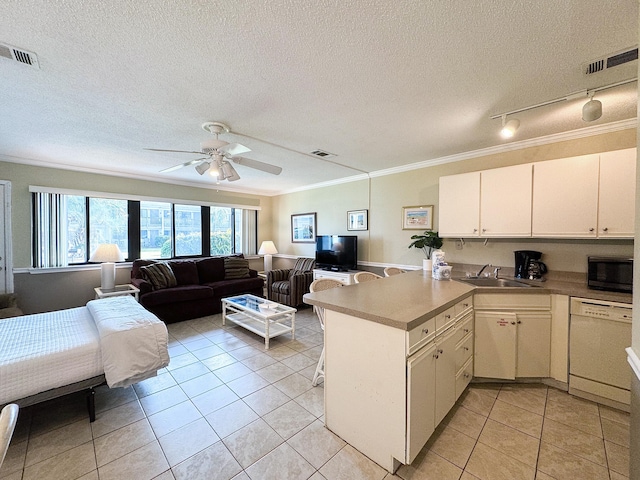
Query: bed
x,y
47,355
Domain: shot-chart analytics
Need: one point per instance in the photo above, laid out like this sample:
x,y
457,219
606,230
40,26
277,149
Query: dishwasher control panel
x,y
601,309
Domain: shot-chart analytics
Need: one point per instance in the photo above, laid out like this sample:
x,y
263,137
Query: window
x,y
155,230
68,227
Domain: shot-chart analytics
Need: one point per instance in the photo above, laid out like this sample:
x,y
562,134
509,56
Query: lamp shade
x,y
267,248
107,252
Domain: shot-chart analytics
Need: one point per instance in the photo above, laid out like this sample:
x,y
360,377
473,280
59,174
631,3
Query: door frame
x,y
8,249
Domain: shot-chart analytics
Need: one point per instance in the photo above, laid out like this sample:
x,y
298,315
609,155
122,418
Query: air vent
x,y
609,61
322,154
21,56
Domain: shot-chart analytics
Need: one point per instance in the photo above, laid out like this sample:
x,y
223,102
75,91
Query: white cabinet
x,y
459,205
512,336
445,374
565,197
616,206
345,278
421,400
505,201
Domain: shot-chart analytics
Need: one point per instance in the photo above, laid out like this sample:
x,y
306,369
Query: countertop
x,y
405,301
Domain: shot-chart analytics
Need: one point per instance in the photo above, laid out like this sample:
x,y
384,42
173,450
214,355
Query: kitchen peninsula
x,y
398,352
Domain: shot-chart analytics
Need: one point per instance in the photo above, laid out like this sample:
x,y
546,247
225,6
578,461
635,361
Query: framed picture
x,y
358,220
303,228
417,218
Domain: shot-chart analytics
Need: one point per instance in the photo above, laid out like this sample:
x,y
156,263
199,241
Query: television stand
x,y
344,276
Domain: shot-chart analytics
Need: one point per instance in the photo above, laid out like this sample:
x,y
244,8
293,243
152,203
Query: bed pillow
x,y
159,275
236,267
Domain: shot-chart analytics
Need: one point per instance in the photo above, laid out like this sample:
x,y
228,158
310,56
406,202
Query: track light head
x,y
509,128
592,110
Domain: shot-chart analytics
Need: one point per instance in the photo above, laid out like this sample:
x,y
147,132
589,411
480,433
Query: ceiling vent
x,y
323,154
21,56
609,61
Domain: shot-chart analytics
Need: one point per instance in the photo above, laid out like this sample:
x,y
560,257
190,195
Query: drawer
x,y
421,335
463,305
445,319
464,350
464,377
464,327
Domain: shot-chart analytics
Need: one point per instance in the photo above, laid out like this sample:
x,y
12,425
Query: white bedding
x,y
50,350
47,350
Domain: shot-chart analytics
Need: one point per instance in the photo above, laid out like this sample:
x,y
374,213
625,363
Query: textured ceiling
x,y
381,84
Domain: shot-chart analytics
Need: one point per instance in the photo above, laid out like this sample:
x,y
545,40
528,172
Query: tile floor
x,y
227,409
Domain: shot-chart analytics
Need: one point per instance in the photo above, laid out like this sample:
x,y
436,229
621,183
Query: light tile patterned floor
x,y
227,409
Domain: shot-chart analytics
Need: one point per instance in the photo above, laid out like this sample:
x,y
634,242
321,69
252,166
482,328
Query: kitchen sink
x,y
494,282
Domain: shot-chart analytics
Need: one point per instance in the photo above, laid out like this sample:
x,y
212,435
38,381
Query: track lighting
x,y
203,167
509,128
592,110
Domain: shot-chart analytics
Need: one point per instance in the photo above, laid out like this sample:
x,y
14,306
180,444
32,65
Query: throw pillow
x,y
235,267
159,275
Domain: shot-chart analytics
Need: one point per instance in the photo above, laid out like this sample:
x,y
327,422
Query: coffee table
x,y
260,316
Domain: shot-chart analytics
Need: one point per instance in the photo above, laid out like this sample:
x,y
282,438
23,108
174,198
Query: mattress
x,y
47,350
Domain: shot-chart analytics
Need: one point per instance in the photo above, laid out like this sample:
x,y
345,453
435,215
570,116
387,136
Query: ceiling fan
x,y
218,153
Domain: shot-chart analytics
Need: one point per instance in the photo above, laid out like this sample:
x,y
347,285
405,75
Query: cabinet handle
x,y
425,330
440,351
484,230
465,305
447,316
605,229
466,375
513,323
466,349
475,230
592,229
466,330
519,322
435,356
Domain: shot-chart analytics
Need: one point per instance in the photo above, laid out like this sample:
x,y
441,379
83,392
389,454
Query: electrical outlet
x,y
458,244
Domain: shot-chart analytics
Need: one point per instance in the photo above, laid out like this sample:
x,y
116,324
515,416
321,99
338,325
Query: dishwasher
x,y
599,333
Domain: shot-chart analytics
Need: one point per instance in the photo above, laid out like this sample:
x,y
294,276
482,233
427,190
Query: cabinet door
x,y
565,197
534,344
459,205
616,203
421,378
445,374
495,346
505,201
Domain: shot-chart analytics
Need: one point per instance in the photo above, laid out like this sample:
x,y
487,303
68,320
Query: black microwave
x,y
614,274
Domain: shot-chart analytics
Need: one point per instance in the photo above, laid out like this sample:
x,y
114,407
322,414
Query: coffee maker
x,y
528,264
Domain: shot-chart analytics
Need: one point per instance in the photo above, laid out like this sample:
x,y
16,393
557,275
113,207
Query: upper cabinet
x,y
590,196
565,197
616,203
505,201
459,205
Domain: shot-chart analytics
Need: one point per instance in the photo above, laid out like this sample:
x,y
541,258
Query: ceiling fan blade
x,y
264,167
186,164
174,151
234,149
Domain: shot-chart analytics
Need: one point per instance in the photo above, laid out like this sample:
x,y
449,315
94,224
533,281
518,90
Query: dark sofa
x,y
200,285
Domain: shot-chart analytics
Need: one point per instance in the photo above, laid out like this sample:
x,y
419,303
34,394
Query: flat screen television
x,y
337,252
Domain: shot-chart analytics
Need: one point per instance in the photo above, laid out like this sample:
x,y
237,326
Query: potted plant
x,y
427,242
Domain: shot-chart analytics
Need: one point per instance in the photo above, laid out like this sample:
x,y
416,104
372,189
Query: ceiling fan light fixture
x,y
592,110
203,167
227,170
509,128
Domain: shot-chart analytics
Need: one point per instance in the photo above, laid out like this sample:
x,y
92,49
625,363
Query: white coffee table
x,y
260,316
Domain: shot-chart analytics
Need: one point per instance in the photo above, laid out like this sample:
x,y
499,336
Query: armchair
x,y
288,285
9,305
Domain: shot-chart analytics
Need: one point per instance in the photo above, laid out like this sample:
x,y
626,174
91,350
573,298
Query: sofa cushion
x,y
185,271
282,287
210,269
184,293
159,275
235,267
228,288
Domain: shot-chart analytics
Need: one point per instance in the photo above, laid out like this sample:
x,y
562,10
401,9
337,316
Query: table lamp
x,y
267,248
107,254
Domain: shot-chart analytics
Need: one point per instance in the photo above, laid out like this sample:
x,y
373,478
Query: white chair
x,y
361,277
8,419
388,271
318,286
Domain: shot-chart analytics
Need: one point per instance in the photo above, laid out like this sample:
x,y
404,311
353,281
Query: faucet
x,y
482,269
